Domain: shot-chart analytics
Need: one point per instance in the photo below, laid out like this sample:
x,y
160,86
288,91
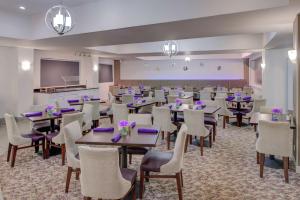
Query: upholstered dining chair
x,y
87,117
173,92
205,95
194,120
120,112
17,141
212,119
159,96
139,119
257,104
111,98
56,139
162,120
95,113
188,88
187,101
170,164
224,111
101,176
146,109
172,98
127,98
72,132
275,138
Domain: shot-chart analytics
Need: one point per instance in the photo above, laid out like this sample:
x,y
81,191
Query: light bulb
x,y
25,65
292,55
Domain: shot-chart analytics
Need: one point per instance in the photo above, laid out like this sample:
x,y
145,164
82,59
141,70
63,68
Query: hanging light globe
x,y
170,48
58,19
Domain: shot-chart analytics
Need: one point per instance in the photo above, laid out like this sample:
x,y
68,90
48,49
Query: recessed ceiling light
x,y
22,7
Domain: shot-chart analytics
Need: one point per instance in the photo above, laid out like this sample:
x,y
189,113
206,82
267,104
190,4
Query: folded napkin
x,y
147,130
116,138
130,105
170,106
33,114
144,101
247,98
57,114
73,100
138,95
95,99
63,110
101,129
133,124
230,98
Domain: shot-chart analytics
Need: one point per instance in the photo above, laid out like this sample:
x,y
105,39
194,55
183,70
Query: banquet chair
x,y
194,120
162,121
221,94
187,101
72,132
56,139
111,98
173,92
205,95
188,88
139,119
120,112
146,109
170,164
87,117
101,176
17,141
127,98
224,111
150,94
159,96
257,105
171,99
275,138
211,119
95,113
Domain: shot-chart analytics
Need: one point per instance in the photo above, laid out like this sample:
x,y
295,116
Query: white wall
x,y
173,70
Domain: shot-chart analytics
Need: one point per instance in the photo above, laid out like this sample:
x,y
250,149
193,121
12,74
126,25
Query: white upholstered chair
x,y
42,126
72,132
127,98
221,94
275,138
187,101
101,176
17,140
194,120
168,163
212,119
173,93
120,112
205,95
172,98
224,111
87,117
146,109
159,96
96,112
111,98
188,88
57,139
162,120
257,104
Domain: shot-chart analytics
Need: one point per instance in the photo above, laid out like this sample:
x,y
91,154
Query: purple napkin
x,y
148,130
138,95
116,138
230,98
130,105
144,101
95,99
73,100
33,114
99,129
133,124
170,106
57,114
63,110
247,98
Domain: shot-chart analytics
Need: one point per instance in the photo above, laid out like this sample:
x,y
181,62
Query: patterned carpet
x,y
226,171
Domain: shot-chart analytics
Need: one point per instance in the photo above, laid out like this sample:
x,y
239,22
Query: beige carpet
x,y
226,171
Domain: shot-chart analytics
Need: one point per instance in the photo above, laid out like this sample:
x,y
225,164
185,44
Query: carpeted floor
x,y
228,170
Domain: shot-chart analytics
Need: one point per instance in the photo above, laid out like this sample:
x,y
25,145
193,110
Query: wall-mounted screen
x,y
59,73
105,73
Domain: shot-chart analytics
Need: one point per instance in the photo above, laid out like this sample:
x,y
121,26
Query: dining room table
x,y
81,102
239,111
134,107
136,138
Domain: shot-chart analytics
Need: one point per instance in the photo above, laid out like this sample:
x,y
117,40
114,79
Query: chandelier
x,y
170,48
58,19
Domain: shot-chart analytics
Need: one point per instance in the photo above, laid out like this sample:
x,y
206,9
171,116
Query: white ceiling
x,y
37,6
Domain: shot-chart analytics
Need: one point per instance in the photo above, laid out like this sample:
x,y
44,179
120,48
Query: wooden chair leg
x,y
130,159
47,149
168,140
77,174
14,154
63,154
214,132
191,139
36,146
133,192
162,135
224,121
9,151
186,143
69,174
44,149
179,187
181,176
210,140
142,177
87,198
261,164
201,145
257,157
286,168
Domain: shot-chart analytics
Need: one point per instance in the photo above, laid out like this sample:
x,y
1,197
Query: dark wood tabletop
x,y
134,139
147,103
45,116
207,109
81,102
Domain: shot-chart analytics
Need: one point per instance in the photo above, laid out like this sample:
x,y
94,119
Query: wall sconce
x,y
95,68
25,65
187,59
292,55
263,65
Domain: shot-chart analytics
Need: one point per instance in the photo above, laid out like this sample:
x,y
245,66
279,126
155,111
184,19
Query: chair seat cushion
x,y
210,120
129,174
51,135
34,136
153,160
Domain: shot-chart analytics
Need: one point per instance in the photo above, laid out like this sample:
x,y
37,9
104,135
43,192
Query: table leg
x,y
124,157
175,117
52,125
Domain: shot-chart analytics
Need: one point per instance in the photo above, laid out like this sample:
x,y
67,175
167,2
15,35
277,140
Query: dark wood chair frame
x,y
69,175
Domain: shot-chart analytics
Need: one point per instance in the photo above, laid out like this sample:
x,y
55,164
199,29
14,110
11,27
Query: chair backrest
x,y
13,131
205,95
222,103
111,98
275,138
100,176
194,120
115,90
96,109
162,118
257,104
72,132
171,99
140,119
188,88
221,94
150,94
159,95
120,112
87,115
37,108
173,93
265,110
127,98
187,101
176,163
189,94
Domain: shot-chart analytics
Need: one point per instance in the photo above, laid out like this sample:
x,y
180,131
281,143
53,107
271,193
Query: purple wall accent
x,y
53,70
105,73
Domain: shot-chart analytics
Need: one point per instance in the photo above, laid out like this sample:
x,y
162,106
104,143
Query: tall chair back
x,y
127,98
13,131
88,116
120,112
159,96
96,109
194,120
140,119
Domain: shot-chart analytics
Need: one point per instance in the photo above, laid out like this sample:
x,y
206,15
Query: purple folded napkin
x,y
144,101
130,105
63,110
230,98
73,100
247,98
57,114
133,124
95,99
170,106
101,129
116,138
147,130
33,114
138,95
